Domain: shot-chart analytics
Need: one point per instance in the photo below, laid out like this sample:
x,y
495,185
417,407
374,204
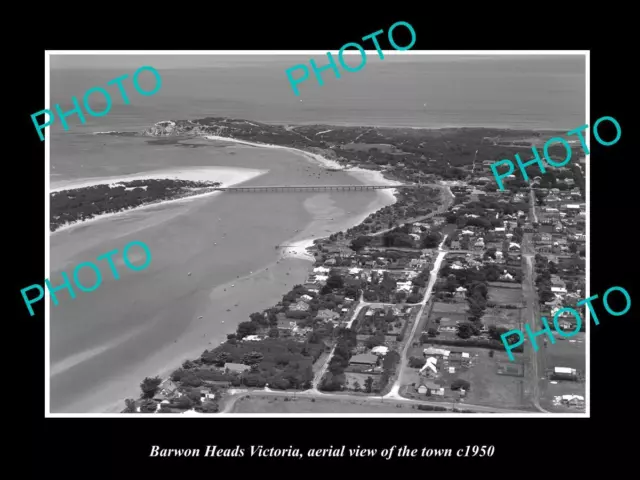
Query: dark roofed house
x,y
366,359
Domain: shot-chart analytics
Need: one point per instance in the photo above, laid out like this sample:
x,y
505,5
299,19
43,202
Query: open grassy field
x,y
455,317
504,296
502,317
444,308
272,404
566,352
551,390
511,285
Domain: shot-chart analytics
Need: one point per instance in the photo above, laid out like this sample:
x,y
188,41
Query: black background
x,y
119,448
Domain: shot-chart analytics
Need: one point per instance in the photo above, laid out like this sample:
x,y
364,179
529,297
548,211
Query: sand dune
x,y
225,175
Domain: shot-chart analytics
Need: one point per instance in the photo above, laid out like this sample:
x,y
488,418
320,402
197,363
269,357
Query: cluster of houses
x,y
480,239
374,257
442,365
369,360
169,393
559,227
570,401
560,234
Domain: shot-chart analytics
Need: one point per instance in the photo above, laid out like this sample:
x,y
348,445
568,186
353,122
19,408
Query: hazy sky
x,y
221,61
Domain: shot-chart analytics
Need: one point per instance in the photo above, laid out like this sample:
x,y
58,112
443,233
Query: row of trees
x,y
477,296
335,378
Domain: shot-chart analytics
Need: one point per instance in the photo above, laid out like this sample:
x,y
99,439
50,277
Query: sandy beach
x,y
311,156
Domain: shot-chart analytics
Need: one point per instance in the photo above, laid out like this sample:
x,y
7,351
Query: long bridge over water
x,y
315,188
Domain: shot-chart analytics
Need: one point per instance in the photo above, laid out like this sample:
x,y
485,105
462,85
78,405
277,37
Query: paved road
x,y
394,392
238,394
316,380
532,206
537,359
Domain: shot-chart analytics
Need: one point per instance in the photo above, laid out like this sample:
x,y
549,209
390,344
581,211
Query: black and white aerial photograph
x,y
227,239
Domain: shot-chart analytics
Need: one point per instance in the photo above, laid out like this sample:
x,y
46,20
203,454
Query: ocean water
x,y
542,92
104,342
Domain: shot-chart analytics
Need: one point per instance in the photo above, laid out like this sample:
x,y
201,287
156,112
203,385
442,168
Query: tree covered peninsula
x,y
78,204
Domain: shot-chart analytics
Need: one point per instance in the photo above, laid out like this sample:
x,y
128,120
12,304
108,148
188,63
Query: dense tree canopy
x,y
149,386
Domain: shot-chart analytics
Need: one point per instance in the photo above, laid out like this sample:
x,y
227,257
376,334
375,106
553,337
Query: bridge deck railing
x,y
312,187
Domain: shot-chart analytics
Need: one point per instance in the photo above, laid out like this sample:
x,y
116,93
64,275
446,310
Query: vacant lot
x,y
505,285
567,352
272,404
454,317
443,308
487,386
503,317
505,296
352,378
